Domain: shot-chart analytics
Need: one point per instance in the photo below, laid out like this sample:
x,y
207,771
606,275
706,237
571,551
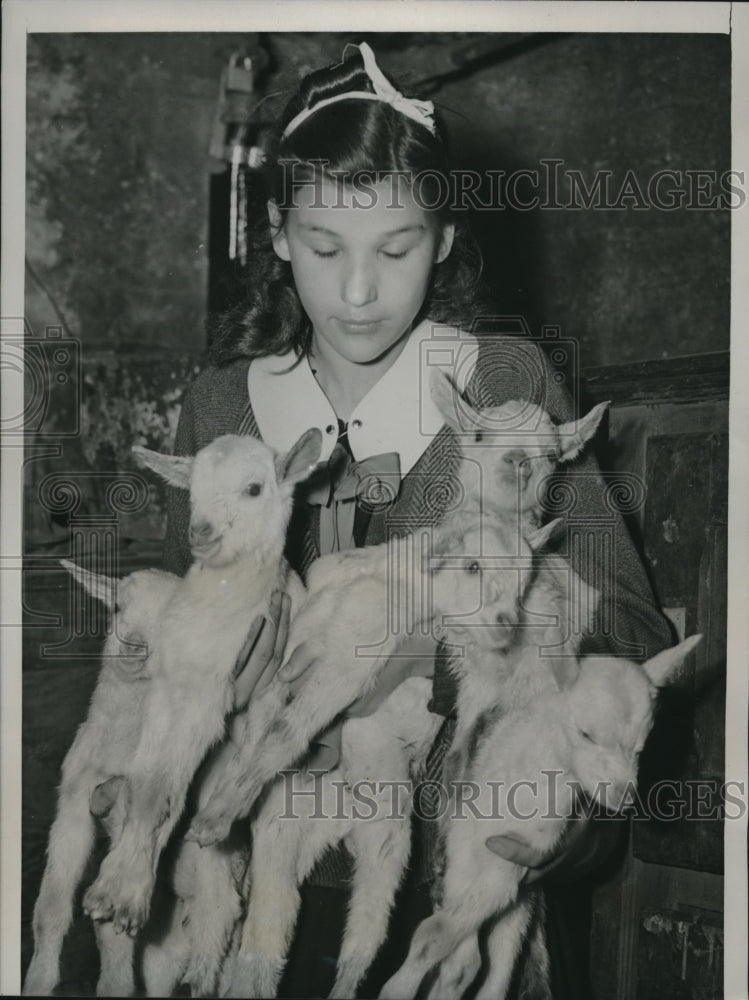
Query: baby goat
x,y
304,814
509,451
387,591
241,499
103,745
588,735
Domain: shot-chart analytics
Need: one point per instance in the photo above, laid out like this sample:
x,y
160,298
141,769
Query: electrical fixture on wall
x,y
236,150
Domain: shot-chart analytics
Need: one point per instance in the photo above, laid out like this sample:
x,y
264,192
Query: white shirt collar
x,y
397,414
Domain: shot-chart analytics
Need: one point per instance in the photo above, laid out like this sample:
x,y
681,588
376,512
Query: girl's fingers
x,y
279,646
248,646
282,632
519,852
540,863
261,641
299,661
296,685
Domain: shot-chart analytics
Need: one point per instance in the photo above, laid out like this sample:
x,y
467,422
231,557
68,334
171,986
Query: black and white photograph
x,y
374,468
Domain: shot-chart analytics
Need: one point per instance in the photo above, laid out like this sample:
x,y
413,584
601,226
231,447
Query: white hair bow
x,y
418,111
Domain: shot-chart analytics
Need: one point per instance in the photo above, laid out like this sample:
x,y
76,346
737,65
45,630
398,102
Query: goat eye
x,y
116,609
478,436
253,490
586,736
473,567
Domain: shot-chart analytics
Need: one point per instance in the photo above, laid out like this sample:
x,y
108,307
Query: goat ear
x,y
450,403
538,537
175,469
301,459
660,668
103,588
573,436
105,795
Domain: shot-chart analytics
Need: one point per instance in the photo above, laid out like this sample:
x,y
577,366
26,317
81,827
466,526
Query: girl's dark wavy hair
x,y
350,137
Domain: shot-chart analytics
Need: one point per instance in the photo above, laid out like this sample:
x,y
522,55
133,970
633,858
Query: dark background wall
x,y
118,168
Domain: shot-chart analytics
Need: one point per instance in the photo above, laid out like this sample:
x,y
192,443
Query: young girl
x,y
362,274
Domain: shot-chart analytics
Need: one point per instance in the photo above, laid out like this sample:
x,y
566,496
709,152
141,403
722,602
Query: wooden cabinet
x,y
657,923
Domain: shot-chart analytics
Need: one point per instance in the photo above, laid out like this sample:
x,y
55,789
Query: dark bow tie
x,y
374,482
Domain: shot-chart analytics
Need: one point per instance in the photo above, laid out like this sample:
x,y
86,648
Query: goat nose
x,y
517,460
201,531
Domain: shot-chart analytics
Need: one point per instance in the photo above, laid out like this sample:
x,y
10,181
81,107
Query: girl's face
x,y
361,262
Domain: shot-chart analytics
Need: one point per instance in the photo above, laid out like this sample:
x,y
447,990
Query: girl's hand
x,y
579,846
414,657
263,649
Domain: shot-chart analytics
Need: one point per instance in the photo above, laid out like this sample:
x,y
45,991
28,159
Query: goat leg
x,y
71,840
381,848
504,945
176,734
285,849
277,742
116,953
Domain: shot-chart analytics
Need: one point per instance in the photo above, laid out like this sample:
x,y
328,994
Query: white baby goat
x,y
509,451
397,582
241,499
303,815
588,736
102,748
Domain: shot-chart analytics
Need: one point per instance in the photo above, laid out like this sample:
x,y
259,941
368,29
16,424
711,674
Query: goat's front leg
x,y
278,742
180,726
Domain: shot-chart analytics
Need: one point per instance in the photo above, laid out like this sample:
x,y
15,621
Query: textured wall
x,y
118,177
631,284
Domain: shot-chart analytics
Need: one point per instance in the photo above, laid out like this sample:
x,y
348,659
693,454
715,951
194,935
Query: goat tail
x,y
71,840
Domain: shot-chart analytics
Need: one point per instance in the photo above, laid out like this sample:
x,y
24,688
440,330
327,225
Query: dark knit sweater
x,y
508,368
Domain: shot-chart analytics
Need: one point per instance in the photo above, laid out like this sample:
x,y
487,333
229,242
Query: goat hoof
x,y
97,904
127,909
